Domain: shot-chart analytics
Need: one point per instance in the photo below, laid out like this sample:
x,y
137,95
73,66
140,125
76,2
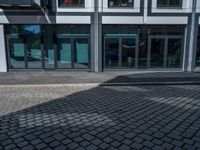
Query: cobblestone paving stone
x,y
100,118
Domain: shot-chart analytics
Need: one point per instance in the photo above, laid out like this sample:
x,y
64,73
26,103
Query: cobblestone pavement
x,y
98,118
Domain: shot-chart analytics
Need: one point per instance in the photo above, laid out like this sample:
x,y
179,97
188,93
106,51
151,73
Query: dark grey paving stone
x,y
92,147
138,139
58,136
88,137
28,147
124,147
9,147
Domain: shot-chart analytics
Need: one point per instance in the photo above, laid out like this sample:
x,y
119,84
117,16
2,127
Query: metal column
x,y
193,22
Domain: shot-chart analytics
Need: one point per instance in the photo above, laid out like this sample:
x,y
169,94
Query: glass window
x,y
169,3
110,30
17,53
143,42
24,46
174,53
120,3
72,30
167,30
71,3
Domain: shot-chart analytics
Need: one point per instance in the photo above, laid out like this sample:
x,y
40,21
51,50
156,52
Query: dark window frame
x,y
168,5
120,4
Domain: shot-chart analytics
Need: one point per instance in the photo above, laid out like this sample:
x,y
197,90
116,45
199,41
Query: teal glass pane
x,y
81,53
64,55
17,59
34,54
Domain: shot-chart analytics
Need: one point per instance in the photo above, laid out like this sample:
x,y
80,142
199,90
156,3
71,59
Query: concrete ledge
x,y
102,84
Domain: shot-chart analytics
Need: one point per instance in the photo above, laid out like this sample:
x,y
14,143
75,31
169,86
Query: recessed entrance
x,y
29,47
165,51
25,53
121,52
72,52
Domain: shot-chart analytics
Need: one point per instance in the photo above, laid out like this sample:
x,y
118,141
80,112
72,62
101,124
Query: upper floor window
x,y
120,3
71,3
169,3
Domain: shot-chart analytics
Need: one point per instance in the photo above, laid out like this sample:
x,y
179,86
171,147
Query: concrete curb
x,y
102,84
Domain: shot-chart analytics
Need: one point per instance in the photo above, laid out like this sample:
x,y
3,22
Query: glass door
x,y
128,52
33,53
165,52
72,53
81,53
121,53
111,53
174,52
64,53
157,49
16,47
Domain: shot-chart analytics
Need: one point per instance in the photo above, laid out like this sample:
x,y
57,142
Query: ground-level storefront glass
x,y
135,47
198,50
48,46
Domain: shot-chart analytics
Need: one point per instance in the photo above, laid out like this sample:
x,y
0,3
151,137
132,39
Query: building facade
x,y
100,35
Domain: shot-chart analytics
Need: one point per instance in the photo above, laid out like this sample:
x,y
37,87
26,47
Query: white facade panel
x,y
3,64
73,19
122,20
186,8
198,6
167,20
135,9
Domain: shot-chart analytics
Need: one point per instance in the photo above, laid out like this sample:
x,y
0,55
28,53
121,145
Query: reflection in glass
x,y
64,53
167,30
34,55
143,42
120,3
81,53
30,29
169,3
71,3
49,52
128,52
111,52
157,52
174,53
17,55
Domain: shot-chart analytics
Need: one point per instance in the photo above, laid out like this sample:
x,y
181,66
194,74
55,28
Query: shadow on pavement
x,y
108,117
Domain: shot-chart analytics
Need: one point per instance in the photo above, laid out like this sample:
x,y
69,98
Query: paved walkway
x,y
30,78
100,118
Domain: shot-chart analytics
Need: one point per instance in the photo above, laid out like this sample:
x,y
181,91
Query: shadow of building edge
x,y
119,110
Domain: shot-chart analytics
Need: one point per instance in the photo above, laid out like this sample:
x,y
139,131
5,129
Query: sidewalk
x,y
105,78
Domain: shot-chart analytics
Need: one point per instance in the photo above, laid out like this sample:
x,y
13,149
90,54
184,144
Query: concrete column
x,y
193,22
186,47
96,39
3,62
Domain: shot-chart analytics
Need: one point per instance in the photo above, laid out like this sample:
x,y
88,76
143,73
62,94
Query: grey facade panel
x,y
16,2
